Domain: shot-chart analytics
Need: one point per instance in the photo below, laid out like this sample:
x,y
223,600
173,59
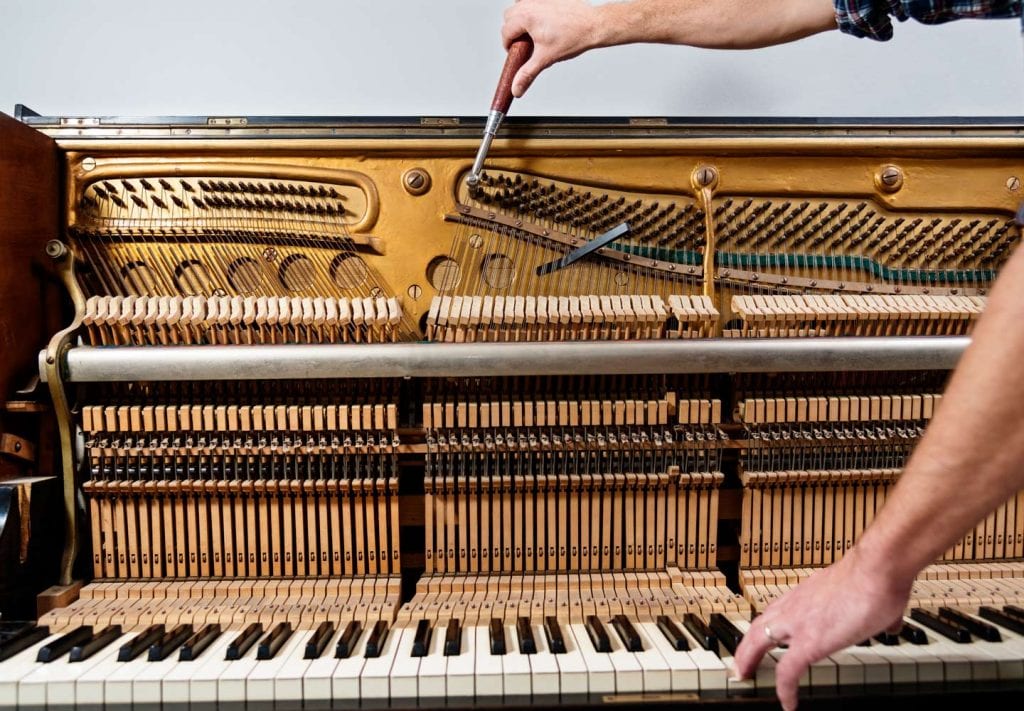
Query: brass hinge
x,y
648,121
438,121
227,121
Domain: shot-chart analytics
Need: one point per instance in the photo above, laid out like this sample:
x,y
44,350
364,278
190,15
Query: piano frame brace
x,y
289,362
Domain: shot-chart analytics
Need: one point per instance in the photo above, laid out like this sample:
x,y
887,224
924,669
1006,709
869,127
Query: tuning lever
x,y
519,53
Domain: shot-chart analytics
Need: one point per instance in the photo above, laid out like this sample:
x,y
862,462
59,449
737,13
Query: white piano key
x,y
460,670
657,674
316,680
373,682
877,669
260,684
433,667
902,668
288,683
515,666
600,670
489,668
849,669
573,673
1009,653
147,685
196,681
20,665
345,680
231,682
117,689
929,668
956,667
543,666
90,687
54,683
713,673
629,676
683,672
406,668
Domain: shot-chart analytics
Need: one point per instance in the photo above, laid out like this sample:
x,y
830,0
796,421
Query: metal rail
x,y
287,362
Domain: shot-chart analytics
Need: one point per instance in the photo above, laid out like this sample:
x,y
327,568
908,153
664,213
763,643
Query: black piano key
x,y
421,642
375,642
947,628
453,639
496,630
914,635
1014,611
728,634
1002,619
864,642
275,639
976,627
23,639
348,639
318,642
140,643
243,642
627,633
553,633
598,634
673,634
99,641
63,644
889,640
162,648
524,633
197,643
701,632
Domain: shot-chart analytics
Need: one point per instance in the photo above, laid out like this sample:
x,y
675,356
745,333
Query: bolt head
x,y
1013,184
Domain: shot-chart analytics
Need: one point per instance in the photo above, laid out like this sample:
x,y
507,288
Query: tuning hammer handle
x,y
519,53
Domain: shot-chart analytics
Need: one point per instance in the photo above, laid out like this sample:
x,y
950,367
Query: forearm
x,y
725,24
971,459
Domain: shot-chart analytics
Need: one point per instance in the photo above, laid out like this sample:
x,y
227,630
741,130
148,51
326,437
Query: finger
x,y
527,74
788,671
896,626
752,649
516,24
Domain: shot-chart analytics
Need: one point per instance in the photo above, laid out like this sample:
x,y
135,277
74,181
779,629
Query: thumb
x,y
527,74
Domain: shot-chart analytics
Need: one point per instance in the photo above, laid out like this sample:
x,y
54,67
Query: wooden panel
x,y
30,298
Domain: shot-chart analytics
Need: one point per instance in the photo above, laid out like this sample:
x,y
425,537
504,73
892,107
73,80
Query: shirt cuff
x,y
864,19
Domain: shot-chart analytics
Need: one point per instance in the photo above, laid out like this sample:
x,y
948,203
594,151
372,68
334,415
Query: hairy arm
x,y
968,462
562,29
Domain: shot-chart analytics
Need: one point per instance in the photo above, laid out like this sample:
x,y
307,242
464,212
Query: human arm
x,y
562,29
967,463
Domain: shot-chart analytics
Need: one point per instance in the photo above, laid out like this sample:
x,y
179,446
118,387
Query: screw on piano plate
x,y
889,179
270,254
476,241
705,176
1013,183
415,291
376,292
88,163
416,181
55,249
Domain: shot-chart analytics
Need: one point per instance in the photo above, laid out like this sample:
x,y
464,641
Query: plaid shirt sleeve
x,y
873,18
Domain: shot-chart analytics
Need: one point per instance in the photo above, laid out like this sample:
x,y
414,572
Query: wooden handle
x,y
518,54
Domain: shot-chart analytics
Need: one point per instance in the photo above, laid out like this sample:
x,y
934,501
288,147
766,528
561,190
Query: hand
x,y
560,29
835,608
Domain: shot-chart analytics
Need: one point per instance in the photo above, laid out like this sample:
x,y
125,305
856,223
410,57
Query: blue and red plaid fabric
x,y
873,18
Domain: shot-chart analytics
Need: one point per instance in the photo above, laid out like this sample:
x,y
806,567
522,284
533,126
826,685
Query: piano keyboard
x,y
500,659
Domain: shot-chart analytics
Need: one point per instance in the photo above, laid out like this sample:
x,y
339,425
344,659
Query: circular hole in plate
x,y
192,278
245,275
139,278
498,271
444,273
349,271
297,272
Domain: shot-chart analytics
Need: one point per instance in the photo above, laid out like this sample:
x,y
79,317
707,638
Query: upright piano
x,y
329,426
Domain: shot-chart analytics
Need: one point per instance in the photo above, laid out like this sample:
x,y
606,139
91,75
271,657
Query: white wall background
x,y
442,58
